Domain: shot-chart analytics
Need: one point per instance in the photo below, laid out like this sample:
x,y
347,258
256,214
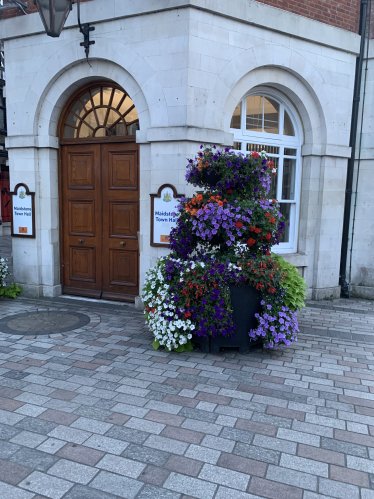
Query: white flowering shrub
x,y
161,312
183,298
4,271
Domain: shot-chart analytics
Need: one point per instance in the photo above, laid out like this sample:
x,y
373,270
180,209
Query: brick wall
x,y
343,14
15,12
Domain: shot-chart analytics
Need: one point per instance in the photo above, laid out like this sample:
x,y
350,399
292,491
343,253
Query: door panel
x,y
81,220
123,219
120,181
82,263
82,217
100,220
81,173
123,171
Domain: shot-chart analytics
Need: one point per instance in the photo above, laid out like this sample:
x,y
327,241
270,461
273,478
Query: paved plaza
x,y
93,412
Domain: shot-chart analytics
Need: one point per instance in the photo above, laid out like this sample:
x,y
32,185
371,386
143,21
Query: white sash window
x,y
265,121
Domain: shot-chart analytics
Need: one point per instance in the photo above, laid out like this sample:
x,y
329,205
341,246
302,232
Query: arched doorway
x,y
99,194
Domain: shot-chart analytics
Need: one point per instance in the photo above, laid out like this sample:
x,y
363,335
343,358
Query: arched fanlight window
x,y
101,111
264,121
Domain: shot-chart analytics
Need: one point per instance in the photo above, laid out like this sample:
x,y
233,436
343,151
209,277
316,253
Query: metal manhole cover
x,y
36,323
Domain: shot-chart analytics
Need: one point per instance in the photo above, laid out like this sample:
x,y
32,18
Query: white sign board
x,y
23,215
164,205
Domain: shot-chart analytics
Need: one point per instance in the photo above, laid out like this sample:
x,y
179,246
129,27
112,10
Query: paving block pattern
x,y
98,414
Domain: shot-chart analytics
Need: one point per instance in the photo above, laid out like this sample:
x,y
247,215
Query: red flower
x,y
267,215
229,191
268,235
251,229
270,164
268,253
255,155
257,230
187,314
251,242
272,220
239,224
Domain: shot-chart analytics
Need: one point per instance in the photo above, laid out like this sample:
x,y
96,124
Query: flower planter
x,y
202,341
212,178
246,302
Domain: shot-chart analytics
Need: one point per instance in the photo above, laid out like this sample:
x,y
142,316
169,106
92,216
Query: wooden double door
x,y
100,220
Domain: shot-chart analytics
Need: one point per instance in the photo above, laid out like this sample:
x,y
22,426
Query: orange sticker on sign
x,y
23,230
165,239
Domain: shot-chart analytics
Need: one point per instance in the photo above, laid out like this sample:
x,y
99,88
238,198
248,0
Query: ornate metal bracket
x,y
85,29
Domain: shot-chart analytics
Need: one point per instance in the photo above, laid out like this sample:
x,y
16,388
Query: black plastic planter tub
x,y
246,302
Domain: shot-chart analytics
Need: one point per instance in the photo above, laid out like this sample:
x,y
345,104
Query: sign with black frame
x,y
163,206
22,211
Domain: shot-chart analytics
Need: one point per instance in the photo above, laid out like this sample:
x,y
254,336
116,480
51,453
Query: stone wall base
x,y
321,293
362,292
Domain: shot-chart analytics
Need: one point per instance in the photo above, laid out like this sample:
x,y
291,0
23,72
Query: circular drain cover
x,y
36,323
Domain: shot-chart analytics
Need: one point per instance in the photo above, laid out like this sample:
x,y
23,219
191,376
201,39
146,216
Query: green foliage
x,y
13,291
293,284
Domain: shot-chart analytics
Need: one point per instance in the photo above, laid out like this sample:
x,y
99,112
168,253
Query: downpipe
x,y
345,291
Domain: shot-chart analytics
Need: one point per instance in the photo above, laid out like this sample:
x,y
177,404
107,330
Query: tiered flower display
x,y
223,237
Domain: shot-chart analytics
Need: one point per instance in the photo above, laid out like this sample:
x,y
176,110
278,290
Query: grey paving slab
x,y
117,485
101,415
46,485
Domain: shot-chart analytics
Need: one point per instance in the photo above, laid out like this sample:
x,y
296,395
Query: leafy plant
x,y
13,291
293,284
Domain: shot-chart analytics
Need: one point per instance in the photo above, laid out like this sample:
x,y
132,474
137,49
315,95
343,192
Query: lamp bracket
x,y
85,29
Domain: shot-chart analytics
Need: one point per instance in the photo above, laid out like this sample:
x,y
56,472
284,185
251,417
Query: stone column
x,y
34,161
321,216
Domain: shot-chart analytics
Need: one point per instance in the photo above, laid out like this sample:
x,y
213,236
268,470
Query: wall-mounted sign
x,y
163,205
22,211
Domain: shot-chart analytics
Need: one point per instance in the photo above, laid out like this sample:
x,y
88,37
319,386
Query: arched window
x,y
264,121
102,111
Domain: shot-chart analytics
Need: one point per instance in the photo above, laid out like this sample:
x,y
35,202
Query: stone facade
x,y
186,64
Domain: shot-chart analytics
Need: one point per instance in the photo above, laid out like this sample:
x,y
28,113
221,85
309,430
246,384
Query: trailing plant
x,y
187,297
293,284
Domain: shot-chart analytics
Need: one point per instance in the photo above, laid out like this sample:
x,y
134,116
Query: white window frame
x,y
245,137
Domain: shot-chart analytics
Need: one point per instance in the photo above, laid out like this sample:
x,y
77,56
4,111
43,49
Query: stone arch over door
x,y
54,86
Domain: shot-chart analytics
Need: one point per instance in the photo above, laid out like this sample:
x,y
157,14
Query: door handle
x,y
80,240
122,243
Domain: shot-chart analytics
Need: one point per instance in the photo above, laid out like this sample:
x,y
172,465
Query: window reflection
x,y
254,113
236,117
271,116
285,209
289,174
288,128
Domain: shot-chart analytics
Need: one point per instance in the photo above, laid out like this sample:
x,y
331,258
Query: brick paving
x,y
96,413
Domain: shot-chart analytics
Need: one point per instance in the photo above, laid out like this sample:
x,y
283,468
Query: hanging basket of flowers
x,y
221,286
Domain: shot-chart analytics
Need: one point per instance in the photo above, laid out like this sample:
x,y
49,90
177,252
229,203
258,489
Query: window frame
x,y
245,137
